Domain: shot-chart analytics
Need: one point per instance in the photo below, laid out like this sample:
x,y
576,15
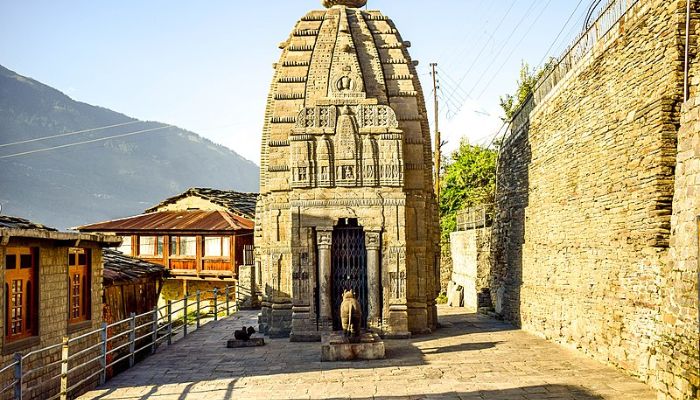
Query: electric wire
x,y
457,55
86,142
500,50
478,57
68,134
546,53
522,38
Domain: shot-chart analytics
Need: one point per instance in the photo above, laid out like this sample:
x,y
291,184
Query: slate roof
x,y
191,220
237,202
7,221
121,268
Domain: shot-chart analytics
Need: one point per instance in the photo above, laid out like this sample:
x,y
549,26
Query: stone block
x,y
253,342
336,347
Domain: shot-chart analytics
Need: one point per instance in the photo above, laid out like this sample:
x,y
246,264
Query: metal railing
x,y
475,217
59,371
606,17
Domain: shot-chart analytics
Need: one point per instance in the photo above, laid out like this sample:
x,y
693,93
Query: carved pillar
x,y
324,238
374,279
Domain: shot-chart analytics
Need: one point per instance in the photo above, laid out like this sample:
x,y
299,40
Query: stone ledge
x,y
253,342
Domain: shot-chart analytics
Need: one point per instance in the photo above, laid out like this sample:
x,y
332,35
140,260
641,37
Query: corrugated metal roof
x,y
239,203
122,268
193,220
7,221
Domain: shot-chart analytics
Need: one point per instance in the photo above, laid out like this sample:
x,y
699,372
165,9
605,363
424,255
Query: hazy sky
x,y
206,65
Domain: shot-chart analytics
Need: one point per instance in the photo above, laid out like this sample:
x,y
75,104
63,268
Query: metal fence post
x,y
18,376
228,311
238,296
197,316
170,322
184,315
154,334
132,339
216,304
64,369
103,356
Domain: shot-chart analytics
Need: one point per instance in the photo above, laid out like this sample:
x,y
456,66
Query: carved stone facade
x,y
339,207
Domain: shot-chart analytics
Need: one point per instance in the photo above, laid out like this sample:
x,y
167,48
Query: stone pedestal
x,y
253,342
303,330
336,347
280,320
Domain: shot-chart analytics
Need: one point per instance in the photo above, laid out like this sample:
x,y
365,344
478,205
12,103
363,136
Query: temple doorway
x,y
348,266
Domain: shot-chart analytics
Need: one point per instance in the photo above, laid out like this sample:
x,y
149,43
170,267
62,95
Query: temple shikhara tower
x,y
346,198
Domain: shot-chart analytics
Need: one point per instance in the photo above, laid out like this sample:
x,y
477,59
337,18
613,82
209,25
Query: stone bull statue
x,y
351,315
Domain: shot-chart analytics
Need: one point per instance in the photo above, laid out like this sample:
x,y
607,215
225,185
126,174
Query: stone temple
x,y
346,199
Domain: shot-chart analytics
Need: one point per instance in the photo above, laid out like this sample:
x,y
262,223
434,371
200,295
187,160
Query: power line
x,y
86,142
457,89
68,134
510,36
559,34
513,50
562,47
478,57
469,44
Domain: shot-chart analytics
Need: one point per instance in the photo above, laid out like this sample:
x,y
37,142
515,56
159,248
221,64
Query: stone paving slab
x,y
471,357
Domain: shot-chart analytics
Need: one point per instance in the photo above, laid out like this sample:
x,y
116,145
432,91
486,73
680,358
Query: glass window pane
x,y
82,259
212,246
25,261
226,246
173,245
160,246
188,246
10,261
125,247
147,245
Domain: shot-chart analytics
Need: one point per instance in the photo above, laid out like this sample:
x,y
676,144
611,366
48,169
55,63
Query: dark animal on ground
x,y
244,333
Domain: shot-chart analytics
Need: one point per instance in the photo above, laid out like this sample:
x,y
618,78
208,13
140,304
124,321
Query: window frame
x,y
221,247
127,241
83,270
175,243
29,295
159,240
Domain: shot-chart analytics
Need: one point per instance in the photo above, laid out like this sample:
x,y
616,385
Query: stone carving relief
x,y
397,277
324,238
372,240
347,146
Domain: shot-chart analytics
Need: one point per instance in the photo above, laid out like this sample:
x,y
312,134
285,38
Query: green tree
x,y
468,179
510,103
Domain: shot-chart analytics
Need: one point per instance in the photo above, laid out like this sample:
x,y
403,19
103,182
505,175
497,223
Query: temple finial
x,y
346,3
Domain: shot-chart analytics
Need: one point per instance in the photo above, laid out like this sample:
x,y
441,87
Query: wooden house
x,y
131,285
52,287
202,236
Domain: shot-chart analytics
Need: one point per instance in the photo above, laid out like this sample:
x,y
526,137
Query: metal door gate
x,y
349,267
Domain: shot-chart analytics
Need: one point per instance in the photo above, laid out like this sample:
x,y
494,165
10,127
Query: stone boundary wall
x,y
471,264
584,203
678,361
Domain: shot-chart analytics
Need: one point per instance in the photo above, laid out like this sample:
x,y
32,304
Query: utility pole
x,y
436,151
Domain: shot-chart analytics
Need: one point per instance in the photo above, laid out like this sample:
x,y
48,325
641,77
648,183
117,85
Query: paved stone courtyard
x,y
471,357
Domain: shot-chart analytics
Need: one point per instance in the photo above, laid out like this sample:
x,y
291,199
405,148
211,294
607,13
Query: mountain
x,y
105,179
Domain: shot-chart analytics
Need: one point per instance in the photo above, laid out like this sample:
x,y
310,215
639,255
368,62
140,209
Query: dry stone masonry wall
x,y
587,209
